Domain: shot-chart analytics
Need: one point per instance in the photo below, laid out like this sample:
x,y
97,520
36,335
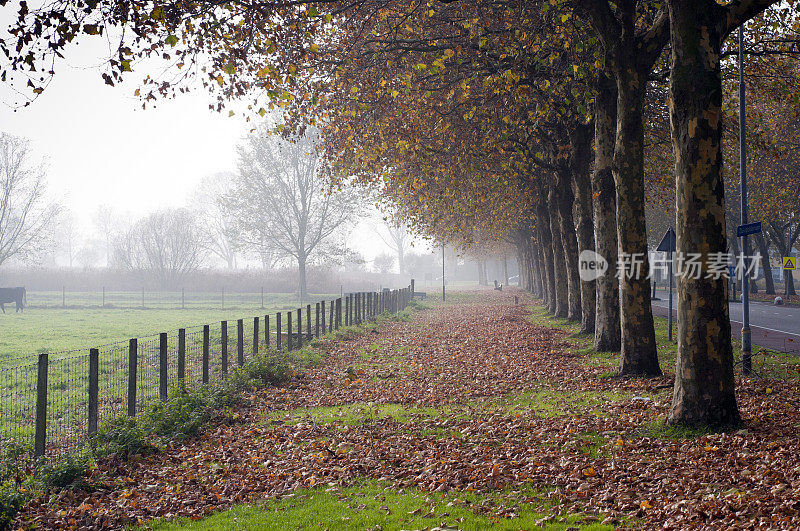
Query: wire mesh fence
x,y
162,299
53,403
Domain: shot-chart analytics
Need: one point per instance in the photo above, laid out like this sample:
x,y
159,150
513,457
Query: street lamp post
x,y
747,362
442,272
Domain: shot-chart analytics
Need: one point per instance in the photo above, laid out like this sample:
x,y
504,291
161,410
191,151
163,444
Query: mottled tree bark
x,y
607,330
580,162
704,381
638,354
631,51
565,201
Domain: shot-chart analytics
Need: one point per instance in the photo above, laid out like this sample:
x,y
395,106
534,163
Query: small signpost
x,y
789,263
667,245
748,229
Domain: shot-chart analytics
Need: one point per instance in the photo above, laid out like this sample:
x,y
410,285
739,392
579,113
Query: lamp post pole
x,y
442,272
747,363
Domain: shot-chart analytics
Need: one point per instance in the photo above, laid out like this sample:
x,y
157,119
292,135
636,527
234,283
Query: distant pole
x,y
442,272
669,273
747,363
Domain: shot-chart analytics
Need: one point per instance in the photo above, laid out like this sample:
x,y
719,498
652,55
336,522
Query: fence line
x,y
58,403
105,298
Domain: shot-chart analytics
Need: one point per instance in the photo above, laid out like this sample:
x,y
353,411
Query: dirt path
x,y
471,396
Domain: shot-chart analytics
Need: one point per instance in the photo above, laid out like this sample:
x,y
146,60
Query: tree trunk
x,y
638,355
788,282
580,162
569,240
607,323
301,289
536,271
763,248
704,383
482,273
548,260
505,269
561,308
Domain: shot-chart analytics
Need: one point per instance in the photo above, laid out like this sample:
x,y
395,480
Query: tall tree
x,y
164,246
214,220
280,196
26,214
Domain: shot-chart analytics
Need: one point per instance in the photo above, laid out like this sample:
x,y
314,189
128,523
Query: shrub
x,y
180,416
65,470
269,368
120,435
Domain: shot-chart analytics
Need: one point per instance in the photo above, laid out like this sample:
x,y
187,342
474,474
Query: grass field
x,y
52,329
67,334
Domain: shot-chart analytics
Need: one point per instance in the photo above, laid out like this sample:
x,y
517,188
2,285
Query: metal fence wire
x,y
54,403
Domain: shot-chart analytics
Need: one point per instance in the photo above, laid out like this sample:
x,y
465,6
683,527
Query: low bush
x,y
122,436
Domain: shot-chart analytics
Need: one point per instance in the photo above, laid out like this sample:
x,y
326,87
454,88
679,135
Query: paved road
x,y
774,327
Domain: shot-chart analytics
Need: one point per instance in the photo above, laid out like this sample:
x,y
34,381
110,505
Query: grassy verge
x,y
377,505
766,363
184,414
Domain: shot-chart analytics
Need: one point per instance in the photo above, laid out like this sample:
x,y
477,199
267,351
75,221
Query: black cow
x,y
16,295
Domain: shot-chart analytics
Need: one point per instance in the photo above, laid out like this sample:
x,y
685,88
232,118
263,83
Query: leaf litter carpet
x,y
468,396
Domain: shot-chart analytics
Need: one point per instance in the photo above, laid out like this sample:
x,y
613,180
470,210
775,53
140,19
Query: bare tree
x,y
104,221
25,212
279,198
67,241
164,244
398,240
383,263
216,224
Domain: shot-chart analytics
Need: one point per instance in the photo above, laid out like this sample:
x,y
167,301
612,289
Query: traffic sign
x,y
667,244
731,271
789,263
749,228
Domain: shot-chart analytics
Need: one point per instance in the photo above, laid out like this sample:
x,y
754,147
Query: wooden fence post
x,y
266,331
162,366
206,352
347,310
223,327
240,342
316,327
322,307
255,336
181,355
288,331
40,436
332,316
94,391
278,329
133,362
338,313
299,328
309,334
